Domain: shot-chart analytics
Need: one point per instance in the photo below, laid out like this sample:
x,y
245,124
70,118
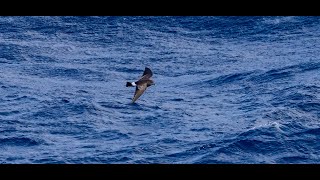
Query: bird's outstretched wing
x,y
146,74
139,91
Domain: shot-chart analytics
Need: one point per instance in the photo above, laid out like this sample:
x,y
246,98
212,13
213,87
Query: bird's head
x,y
151,82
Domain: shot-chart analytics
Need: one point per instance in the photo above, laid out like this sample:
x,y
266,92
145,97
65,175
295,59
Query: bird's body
x,y
142,84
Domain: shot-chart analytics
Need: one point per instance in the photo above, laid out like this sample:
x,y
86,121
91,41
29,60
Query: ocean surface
x,y
235,90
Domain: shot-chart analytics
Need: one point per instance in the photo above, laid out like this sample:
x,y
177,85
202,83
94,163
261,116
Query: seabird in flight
x,y
142,84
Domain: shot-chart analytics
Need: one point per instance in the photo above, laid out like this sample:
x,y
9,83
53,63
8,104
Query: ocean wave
x,y
228,89
19,141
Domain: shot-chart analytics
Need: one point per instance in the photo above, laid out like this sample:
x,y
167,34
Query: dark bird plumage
x,y
142,84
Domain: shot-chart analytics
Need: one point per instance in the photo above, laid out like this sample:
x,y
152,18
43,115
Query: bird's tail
x,y
129,84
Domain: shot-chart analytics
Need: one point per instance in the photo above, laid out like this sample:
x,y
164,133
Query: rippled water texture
x,y
228,90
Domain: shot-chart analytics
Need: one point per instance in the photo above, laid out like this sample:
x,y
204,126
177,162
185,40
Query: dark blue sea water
x,y
228,90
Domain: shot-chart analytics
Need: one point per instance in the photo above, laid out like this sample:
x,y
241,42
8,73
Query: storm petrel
x,y
142,84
